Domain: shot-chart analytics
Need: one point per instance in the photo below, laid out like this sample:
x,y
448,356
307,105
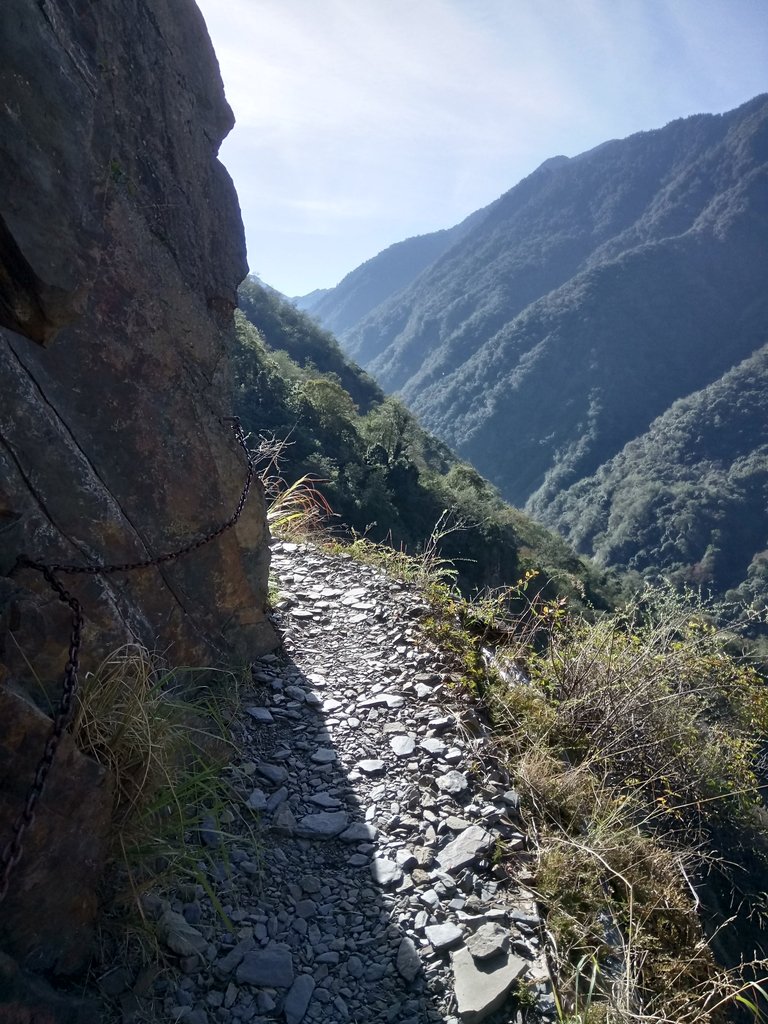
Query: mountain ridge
x,y
585,302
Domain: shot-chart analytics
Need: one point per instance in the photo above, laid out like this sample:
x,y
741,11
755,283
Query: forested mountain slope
x,y
689,496
381,472
587,301
384,275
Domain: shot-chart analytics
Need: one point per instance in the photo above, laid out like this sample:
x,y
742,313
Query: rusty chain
x,y
14,848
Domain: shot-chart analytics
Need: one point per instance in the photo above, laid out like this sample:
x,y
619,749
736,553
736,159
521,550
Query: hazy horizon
x,y
360,123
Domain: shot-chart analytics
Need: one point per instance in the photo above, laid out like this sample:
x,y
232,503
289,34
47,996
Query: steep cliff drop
x,y
121,247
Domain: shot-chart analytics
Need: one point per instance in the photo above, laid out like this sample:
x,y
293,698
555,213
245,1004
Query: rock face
x,y
46,920
121,248
26,999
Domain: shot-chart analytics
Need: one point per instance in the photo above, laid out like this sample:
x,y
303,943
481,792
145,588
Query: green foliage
x,y
580,345
285,327
382,474
688,498
636,742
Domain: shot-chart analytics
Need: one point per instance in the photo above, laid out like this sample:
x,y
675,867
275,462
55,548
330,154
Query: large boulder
x,y
121,248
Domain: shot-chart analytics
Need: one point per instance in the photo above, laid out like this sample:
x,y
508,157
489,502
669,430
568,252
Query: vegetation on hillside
x,y
688,498
382,474
635,743
597,295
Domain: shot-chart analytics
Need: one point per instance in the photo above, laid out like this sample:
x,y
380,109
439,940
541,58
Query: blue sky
x,y
363,122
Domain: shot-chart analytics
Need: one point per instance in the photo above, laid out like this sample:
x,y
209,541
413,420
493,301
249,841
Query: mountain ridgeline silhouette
x,y
567,331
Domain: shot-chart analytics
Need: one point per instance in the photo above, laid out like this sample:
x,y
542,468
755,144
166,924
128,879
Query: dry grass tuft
x,y
164,737
635,741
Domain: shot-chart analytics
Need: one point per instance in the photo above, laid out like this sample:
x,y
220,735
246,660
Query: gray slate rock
x,y
274,773
179,936
261,715
270,966
359,832
324,755
323,825
257,801
298,998
462,850
408,960
488,941
373,766
482,988
443,936
284,820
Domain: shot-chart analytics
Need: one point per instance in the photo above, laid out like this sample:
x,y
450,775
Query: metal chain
x,y
14,848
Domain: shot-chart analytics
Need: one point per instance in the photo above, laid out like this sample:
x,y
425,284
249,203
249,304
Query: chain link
x,y
14,848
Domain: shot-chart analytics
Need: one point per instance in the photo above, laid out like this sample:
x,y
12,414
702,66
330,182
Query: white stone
x,y
386,872
452,782
403,746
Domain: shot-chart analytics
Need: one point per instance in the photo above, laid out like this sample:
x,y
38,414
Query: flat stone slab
x,y
465,848
408,960
402,746
274,773
433,746
373,766
443,936
324,755
270,966
179,936
481,988
359,832
323,825
262,715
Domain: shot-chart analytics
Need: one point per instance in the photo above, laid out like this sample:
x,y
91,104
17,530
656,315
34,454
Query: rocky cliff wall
x,y
121,247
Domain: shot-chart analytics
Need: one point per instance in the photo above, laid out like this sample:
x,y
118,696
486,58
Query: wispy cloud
x,y
363,121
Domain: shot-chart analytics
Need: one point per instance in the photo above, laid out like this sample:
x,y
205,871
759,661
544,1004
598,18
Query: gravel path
x,y
372,896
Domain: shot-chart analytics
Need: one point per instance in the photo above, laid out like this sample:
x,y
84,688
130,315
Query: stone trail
x,y
372,897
